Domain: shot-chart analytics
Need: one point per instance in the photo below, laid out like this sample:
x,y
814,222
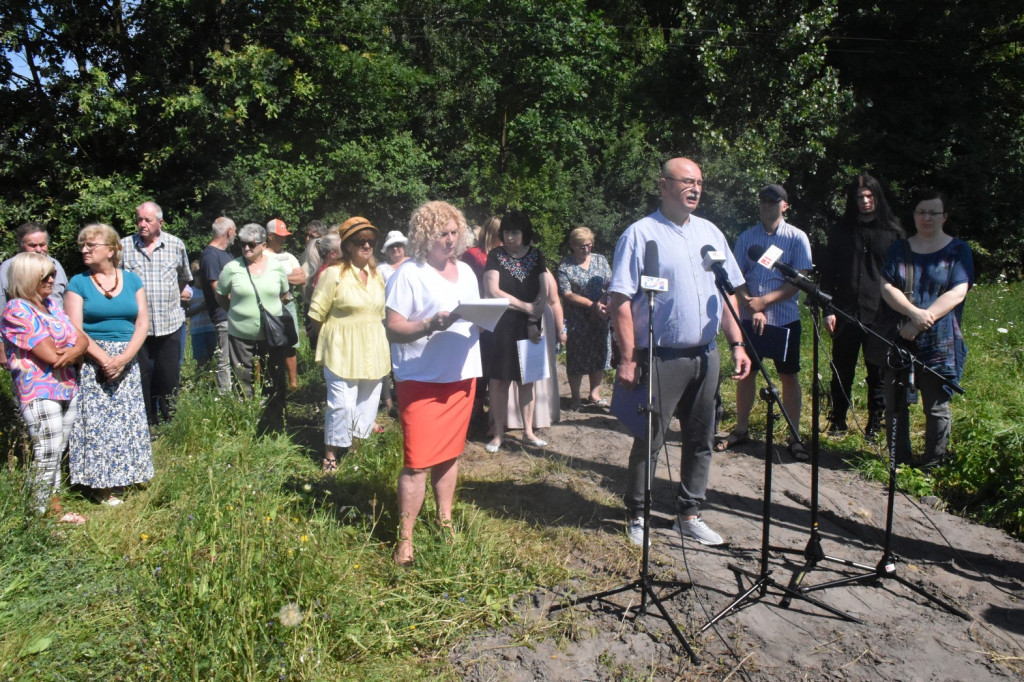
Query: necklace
x,y
109,293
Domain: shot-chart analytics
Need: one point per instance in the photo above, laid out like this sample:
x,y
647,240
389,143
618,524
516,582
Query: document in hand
x,y
533,360
628,406
484,313
773,343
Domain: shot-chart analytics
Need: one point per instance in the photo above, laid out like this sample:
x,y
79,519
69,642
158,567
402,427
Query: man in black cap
x,y
768,299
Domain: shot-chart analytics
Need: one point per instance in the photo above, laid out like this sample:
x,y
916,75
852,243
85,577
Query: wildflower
x,y
1003,330
143,537
307,487
266,519
304,538
290,615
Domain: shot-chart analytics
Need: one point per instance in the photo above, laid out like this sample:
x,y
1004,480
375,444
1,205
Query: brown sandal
x,y
329,465
398,557
448,529
732,440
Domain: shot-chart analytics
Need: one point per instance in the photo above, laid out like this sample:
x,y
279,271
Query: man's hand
x,y
830,324
627,375
758,321
742,363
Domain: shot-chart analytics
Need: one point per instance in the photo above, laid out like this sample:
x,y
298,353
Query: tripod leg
x,y
671,623
932,598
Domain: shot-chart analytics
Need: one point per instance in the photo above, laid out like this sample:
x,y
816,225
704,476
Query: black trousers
x,y
846,347
160,365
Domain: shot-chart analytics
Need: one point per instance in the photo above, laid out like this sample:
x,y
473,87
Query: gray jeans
x,y
223,354
937,415
688,383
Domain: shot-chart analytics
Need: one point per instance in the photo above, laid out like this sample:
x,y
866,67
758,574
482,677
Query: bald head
x,y
680,184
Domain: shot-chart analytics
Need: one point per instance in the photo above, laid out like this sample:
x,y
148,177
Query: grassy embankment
x,y
241,561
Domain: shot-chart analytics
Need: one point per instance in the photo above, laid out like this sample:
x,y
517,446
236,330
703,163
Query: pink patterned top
x,y
25,327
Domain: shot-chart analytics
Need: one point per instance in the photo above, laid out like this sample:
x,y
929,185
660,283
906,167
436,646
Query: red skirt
x,y
435,418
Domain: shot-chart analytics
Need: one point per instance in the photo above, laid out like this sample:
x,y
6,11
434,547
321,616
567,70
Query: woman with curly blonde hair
x,y
436,358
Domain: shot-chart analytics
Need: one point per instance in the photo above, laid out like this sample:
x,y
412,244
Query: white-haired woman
x,y
110,444
244,281
436,360
42,348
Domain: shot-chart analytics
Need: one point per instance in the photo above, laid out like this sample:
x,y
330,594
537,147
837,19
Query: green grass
x,y
984,478
189,578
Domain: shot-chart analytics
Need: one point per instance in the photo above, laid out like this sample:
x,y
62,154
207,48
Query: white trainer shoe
x,y
696,529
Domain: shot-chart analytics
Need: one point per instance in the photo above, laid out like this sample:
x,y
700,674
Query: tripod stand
x,y
763,578
899,451
813,551
644,583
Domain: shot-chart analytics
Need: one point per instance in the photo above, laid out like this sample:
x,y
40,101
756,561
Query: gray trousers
x,y
938,419
223,356
688,383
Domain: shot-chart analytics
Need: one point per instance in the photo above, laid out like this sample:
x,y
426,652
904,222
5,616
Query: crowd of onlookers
x,y
96,360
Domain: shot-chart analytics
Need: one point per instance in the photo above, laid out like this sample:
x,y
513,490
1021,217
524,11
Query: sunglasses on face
x,y
250,245
52,274
363,242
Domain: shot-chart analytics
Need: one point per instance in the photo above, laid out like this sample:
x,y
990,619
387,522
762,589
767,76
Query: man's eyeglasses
x,y
686,182
249,245
90,246
929,214
584,246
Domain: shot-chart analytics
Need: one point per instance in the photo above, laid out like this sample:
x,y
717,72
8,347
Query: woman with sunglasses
x,y
110,444
346,314
42,348
243,281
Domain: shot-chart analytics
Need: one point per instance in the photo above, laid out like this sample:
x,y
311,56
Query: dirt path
x,y
903,636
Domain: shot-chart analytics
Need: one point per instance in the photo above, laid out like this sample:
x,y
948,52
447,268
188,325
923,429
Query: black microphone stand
x,y
645,583
763,578
899,451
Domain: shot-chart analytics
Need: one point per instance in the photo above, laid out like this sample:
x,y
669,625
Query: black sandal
x,y
799,452
732,440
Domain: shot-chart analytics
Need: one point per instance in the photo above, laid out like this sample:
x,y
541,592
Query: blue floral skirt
x,y
109,445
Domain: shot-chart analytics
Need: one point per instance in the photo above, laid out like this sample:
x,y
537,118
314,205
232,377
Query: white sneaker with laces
x,y
696,529
635,531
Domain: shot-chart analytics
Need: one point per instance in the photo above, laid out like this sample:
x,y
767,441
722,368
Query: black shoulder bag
x,y
279,330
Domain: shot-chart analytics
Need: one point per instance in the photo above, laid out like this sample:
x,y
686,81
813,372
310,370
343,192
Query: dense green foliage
x,y
324,109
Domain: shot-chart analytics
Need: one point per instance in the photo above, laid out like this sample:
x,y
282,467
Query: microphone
x,y
712,262
650,280
769,258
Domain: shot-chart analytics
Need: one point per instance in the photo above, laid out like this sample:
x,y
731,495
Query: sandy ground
x,y
902,635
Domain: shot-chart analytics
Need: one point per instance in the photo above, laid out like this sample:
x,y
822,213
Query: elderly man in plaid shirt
x,y
160,259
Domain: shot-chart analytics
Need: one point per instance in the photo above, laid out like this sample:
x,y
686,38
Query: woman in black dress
x,y
514,271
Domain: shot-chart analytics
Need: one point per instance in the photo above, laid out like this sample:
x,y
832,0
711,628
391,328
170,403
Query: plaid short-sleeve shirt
x,y
164,272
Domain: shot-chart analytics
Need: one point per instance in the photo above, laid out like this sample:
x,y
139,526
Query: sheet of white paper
x,y
533,360
484,313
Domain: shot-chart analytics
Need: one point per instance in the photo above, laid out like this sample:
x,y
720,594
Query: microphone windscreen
x,y
705,250
755,252
652,268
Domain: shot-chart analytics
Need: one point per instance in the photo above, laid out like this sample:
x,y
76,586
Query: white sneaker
x,y
635,531
696,529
